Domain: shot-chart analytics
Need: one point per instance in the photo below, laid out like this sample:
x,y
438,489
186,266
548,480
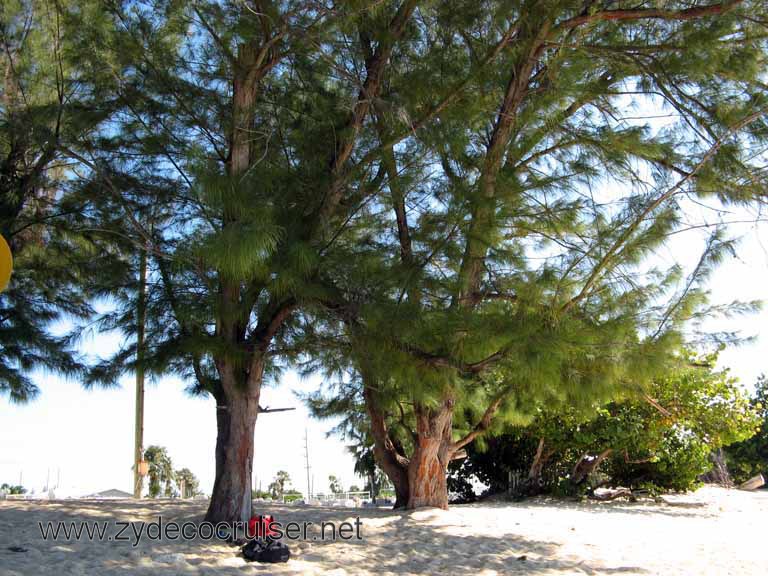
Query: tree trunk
x,y
587,465
372,484
428,465
719,473
401,490
237,401
534,474
390,460
236,421
427,476
534,484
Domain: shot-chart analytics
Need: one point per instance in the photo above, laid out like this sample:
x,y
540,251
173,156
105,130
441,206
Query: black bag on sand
x,y
266,551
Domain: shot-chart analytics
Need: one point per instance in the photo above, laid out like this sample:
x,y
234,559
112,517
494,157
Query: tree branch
x,y
648,14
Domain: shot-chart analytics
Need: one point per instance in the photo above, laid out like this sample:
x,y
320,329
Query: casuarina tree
x,y
251,122
50,108
513,259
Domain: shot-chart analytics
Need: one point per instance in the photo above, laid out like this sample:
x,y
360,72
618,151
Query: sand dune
x,y
713,531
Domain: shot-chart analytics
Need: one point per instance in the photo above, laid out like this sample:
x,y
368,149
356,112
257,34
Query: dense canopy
x,y
453,205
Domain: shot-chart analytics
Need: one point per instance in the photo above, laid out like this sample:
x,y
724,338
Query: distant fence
x,y
333,499
518,483
362,495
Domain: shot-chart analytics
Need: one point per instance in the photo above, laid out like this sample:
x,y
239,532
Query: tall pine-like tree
x,y
251,121
510,264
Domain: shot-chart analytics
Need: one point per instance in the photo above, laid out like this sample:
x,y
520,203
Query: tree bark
x,y
534,474
401,491
235,422
428,465
587,465
719,473
237,401
534,484
390,460
427,476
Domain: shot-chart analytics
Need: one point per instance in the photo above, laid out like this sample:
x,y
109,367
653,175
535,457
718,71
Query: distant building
x,y
112,494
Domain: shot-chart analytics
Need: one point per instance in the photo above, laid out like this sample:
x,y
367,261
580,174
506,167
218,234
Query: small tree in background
x,y
334,485
160,473
9,489
278,485
291,495
186,482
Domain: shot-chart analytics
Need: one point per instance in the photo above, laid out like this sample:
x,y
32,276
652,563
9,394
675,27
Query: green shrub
x,y
750,457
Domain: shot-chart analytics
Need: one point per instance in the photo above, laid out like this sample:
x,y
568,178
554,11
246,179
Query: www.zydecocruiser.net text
x,y
135,532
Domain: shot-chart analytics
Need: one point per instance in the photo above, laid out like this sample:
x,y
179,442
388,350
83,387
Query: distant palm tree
x,y
335,485
160,470
277,487
186,482
9,489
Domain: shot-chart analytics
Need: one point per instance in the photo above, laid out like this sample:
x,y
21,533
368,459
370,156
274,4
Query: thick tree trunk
x,y
427,476
222,439
428,465
235,421
237,401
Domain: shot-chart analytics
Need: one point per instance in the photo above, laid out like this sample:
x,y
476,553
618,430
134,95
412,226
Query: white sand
x,y
713,531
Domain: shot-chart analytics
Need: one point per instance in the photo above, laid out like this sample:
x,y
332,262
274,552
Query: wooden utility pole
x,y
141,312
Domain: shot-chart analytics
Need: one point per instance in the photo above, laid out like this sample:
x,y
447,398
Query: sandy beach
x,y
712,531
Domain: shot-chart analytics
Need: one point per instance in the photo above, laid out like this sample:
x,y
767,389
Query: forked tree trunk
x,y
236,422
390,460
237,402
587,465
428,465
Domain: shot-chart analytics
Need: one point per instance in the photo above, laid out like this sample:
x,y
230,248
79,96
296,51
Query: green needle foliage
x,y
509,263
247,125
454,202
49,108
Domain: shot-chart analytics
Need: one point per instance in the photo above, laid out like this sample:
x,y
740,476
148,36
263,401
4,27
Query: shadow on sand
x,y
391,550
